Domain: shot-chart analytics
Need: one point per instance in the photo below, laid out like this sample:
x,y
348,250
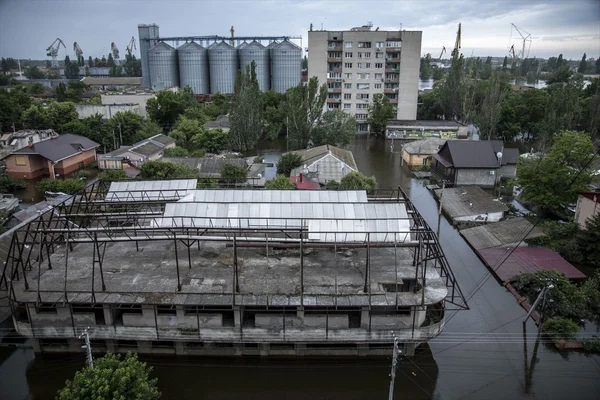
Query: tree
x,y
554,181
425,67
167,106
166,170
287,162
34,73
490,110
12,105
273,114
8,184
110,62
505,64
337,128
126,125
176,152
90,62
233,173
110,175
71,69
115,70
60,114
280,182
305,62
561,75
304,109
219,105
112,378
357,181
560,328
148,129
245,117
132,66
380,112
212,140
582,65
589,240
598,65
187,132
68,186
35,117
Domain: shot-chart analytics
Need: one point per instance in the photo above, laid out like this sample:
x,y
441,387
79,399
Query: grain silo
x,y
162,62
193,67
286,66
223,67
260,55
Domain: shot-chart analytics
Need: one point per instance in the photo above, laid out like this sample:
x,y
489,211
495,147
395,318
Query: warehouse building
x,y
163,267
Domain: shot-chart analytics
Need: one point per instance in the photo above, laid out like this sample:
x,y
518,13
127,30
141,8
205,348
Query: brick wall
x,y
34,166
71,164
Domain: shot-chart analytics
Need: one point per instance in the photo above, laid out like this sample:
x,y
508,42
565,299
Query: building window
x,y
364,65
347,65
21,160
362,86
348,96
364,76
333,106
359,55
362,106
379,45
378,76
362,96
378,86
335,54
348,45
347,75
378,65
378,55
334,75
364,45
367,55
362,116
347,86
393,44
347,106
348,55
363,127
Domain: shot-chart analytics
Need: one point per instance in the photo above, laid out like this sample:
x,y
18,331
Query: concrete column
x,y
364,318
110,346
300,312
37,347
108,314
180,348
264,349
363,350
51,169
300,349
237,316
144,346
409,349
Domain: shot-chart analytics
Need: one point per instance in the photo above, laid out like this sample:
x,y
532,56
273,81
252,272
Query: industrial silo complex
x,y
193,67
209,64
162,62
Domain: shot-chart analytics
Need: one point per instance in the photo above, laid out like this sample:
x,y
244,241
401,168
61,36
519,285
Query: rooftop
x,y
500,234
424,124
222,122
425,146
594,196
313,154
59,147
211,166
123,80
469,200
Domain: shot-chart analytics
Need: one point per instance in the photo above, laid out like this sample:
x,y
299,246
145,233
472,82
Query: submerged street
x,y
482,353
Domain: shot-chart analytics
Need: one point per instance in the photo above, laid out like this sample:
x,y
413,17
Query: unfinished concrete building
x,y
163,267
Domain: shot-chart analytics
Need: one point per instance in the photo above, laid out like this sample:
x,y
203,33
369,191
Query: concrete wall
x,y
506,171
410,61
107,111
478,177
117,99
586,208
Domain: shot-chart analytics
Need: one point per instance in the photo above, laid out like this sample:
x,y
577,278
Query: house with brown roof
x,y
137,154
60,155
474,162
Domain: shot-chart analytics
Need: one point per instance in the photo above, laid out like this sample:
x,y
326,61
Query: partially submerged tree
x,y
380,112
357,181
166,170
233,173
337,128
304,109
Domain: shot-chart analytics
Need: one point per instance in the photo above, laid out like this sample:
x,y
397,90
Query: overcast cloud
x,y
570,27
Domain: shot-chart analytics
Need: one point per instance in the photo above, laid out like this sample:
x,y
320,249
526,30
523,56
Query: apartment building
x,y
361,62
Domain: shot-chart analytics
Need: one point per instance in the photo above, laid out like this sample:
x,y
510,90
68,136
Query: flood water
x,y
482,354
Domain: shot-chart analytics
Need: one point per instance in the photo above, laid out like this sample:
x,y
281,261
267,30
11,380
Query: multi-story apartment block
x,y
360,63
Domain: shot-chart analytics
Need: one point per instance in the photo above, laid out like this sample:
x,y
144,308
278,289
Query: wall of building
x,y
34,166
415,160
506,171
72,164
410,61
586,208
107,111
118,99
478,177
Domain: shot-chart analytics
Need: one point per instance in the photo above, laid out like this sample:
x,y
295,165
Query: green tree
x,y
71,69
68,186
148,128
425,67
90,62
34,73
110,62
110,175
560,328
245,117
35,117
357,181
61,92
287,162
212,140
8,184
167,106
186,132
505,64
304,109
60,114
176,152
561,75
115,70
305,62
220,103
126,125
233,173
132,66
273,114
589,240
545,181
337,128
280,182
36,88
582,65
112,378
166,170
12,105
380,112
598,65
490,110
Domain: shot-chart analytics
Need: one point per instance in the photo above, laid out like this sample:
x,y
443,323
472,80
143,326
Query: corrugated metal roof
x,y
277,196
325,222
150,190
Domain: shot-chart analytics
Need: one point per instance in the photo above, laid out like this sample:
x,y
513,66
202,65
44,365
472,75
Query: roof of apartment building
x,y
59,147
425,147
475,154
146,147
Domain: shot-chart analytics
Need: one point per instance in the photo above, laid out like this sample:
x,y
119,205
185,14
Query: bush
x,y
112,378
332,185
258,159
280,182
357,181
232,173
560,328
84,173
166,170
592,345
8,184
207,183
69,186
287,162
176,152
212,140
110,175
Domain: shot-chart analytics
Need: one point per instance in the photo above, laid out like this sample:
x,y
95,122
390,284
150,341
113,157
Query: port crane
x,y
115,51
131,46
53,49
78,53
512,51
457,43
526,37
442,53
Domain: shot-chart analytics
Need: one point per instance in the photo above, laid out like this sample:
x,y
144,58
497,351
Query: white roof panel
x,y
150,190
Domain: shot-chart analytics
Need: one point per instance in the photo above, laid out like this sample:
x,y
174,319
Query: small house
x,y
326,163
588,205
150,149
419,152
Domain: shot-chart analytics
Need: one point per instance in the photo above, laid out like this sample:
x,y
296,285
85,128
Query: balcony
x,y
389,90
392,59
333,101
392,70
337,69
334,59
334,90
334,46
393,101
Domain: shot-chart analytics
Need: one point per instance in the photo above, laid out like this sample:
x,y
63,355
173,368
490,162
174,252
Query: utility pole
x,y
87,346
114,139
120,136
395,353
440,210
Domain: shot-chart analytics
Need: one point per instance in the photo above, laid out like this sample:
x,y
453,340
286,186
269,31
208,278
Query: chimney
x,y
300,177
30,143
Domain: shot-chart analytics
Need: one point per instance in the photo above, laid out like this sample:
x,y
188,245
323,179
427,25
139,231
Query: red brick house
x,y
60,155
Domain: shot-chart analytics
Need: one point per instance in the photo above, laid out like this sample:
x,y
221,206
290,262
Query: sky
x,y
570,27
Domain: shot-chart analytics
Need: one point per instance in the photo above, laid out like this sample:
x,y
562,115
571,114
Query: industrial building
x,y
163,267
209,64
361,62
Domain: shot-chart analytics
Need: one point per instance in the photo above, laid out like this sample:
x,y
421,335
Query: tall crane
x,y
457,43
131,46
52,50
78,53
526,37
115,51
512,51
442,53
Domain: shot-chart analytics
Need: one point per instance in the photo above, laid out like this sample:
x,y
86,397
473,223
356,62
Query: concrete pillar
x,y
364,318
409,349
237,316
300,349
108,314
264,349
51,169
37,347
110,346
363,350
180,348
300,312
144,346
180,312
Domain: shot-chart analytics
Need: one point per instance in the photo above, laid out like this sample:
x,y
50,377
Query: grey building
x,y
362,62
